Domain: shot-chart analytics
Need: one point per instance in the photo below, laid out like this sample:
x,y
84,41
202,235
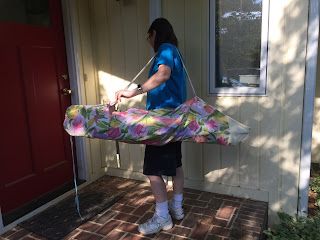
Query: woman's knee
x,y
153,178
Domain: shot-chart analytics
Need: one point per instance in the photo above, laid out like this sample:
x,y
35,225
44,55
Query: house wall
x,y
264,166
112,49
315,154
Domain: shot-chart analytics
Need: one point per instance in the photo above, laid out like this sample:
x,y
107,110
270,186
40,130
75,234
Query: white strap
x,y
75,179
185,69
140,72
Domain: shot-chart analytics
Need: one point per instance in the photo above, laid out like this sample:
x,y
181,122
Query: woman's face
x,y
152,38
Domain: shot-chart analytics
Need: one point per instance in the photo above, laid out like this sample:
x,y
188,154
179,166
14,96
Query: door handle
x,y
66,91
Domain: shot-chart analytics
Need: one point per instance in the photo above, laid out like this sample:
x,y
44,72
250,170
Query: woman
x,y
166,88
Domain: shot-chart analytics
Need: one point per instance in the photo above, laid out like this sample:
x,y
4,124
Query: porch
x,y
207,215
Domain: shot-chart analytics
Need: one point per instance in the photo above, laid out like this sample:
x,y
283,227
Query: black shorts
x,y
162,160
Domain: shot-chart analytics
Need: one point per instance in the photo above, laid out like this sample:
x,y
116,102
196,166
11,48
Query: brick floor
x,y
208,216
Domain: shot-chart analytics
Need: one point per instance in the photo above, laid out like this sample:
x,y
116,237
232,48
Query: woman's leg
x,y
158,188
178,181
176,202
161,220
159,191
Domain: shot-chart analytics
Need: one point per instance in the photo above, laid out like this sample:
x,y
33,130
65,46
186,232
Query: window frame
x,y
262,90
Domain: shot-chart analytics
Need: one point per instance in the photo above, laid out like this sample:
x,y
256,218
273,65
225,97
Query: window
x,y
34,12
238,34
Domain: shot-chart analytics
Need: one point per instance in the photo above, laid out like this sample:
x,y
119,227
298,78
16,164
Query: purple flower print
x,y
213,124
209,109
95,134
186,133
106,113
78,124
222,141
200,139
96,118
138,130
191,101
176,115
193,125
121,116
66,123
165,131
114,133
93,111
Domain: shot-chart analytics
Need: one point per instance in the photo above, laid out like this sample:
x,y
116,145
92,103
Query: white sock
x,y
162,209
176,201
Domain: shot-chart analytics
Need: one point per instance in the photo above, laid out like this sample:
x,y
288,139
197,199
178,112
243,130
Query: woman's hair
x,y
164,33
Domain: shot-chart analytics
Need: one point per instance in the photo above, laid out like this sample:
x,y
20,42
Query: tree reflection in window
x,y
238,43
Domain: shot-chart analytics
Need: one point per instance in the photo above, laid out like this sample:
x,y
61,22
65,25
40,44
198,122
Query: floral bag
x,y
192,121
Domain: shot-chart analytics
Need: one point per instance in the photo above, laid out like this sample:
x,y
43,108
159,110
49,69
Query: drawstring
x,y
74,179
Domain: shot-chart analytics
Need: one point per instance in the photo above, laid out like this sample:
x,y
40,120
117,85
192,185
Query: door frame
x,y
308,106
70,34
69,25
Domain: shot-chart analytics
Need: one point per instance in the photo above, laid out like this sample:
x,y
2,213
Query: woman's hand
x,y
125,94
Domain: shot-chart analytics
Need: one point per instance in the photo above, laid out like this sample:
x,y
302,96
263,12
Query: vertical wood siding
x,y
265,165
113,48
316,117
87,69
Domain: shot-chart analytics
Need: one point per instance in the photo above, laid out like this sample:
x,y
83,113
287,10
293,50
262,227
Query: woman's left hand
x,y
125,94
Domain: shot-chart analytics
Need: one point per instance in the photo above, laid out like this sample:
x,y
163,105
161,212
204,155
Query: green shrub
x,y
315,186
298,228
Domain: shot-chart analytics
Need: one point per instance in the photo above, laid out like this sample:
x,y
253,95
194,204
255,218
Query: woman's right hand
x,y
125,94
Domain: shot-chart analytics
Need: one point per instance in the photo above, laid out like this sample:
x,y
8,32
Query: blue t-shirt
x,y
173,92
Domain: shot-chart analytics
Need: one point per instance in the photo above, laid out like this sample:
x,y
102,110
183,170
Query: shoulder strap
x,y
148,63
185,69
151,59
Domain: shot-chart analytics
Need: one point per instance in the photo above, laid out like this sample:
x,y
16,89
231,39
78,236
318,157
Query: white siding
x,y
113,48
88,75
316,117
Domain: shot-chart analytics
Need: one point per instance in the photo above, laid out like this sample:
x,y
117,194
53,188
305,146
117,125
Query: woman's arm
x,y
161,76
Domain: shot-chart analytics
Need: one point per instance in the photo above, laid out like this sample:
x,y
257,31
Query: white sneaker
x,y
155,224
176,213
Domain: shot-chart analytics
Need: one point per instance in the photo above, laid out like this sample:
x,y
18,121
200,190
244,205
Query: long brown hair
x,y
164,33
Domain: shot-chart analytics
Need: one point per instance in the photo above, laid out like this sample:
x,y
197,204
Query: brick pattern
x,y
208,216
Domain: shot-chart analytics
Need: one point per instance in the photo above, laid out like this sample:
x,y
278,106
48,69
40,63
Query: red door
x,y
35,154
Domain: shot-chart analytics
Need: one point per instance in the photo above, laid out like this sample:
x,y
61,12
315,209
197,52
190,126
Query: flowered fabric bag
x,y
193,121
